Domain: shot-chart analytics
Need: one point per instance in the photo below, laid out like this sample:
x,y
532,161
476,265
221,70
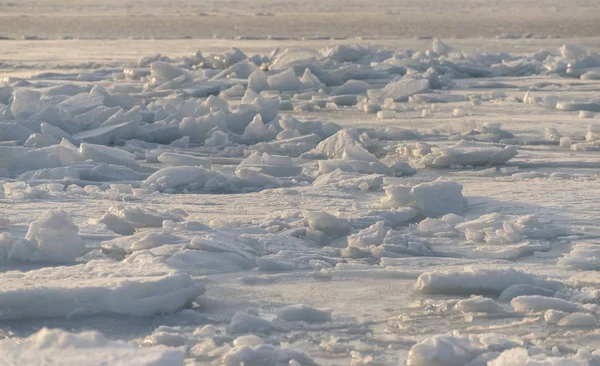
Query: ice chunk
x,y
439,198
305,313
520,356
164,72
582,256
577,320
481,281
373,235
109,134
523,290
284,81
541,303
98,287
26,103
56,236
257,81
79,104
325,222
478,304
58,347
399,90
265,355
183,160
334,146
186,178
275,165
247,323
447,350
462,153
12,131
109,155
351,87
39,140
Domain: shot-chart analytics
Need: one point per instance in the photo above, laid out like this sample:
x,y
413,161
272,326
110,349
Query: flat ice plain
x,y
269,197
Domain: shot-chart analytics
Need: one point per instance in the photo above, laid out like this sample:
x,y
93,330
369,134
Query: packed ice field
x,y
350,204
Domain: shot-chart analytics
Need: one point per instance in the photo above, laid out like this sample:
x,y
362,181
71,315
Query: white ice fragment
x,y
247,323
305,313
249,340
55,235
373,235
265,355
554,316
538,303
477,281
176,159
399,90
59,347
478,304
577,320
257,82
39,140
463,153
439,198
284,81
586,114
319,220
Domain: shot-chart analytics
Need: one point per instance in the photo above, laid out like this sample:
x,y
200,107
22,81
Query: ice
x,y
183,160
523,290
248,323
541,303
478,304
521,356
325,222
482,281
578,320
109,134
450,350
284,81
162,71
295,313
297,186
433,199
439,198
583,256
55,235
26,103
334,146
554,316
10,131
257,81
274,165
463,153
399,90
59,347
265,355
79,104
108,155
98,287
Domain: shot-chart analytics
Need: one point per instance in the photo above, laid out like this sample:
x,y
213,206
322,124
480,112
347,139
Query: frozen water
x,y
299,201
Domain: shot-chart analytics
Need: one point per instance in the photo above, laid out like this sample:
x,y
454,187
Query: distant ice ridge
x,y
168,104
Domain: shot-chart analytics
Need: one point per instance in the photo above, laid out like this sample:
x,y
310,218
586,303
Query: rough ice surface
x,y
58,347
299,201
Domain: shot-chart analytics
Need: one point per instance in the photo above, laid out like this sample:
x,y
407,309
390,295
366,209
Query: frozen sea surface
x,y
380,202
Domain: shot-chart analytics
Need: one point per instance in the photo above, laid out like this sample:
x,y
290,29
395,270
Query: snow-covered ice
x,y
299,201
